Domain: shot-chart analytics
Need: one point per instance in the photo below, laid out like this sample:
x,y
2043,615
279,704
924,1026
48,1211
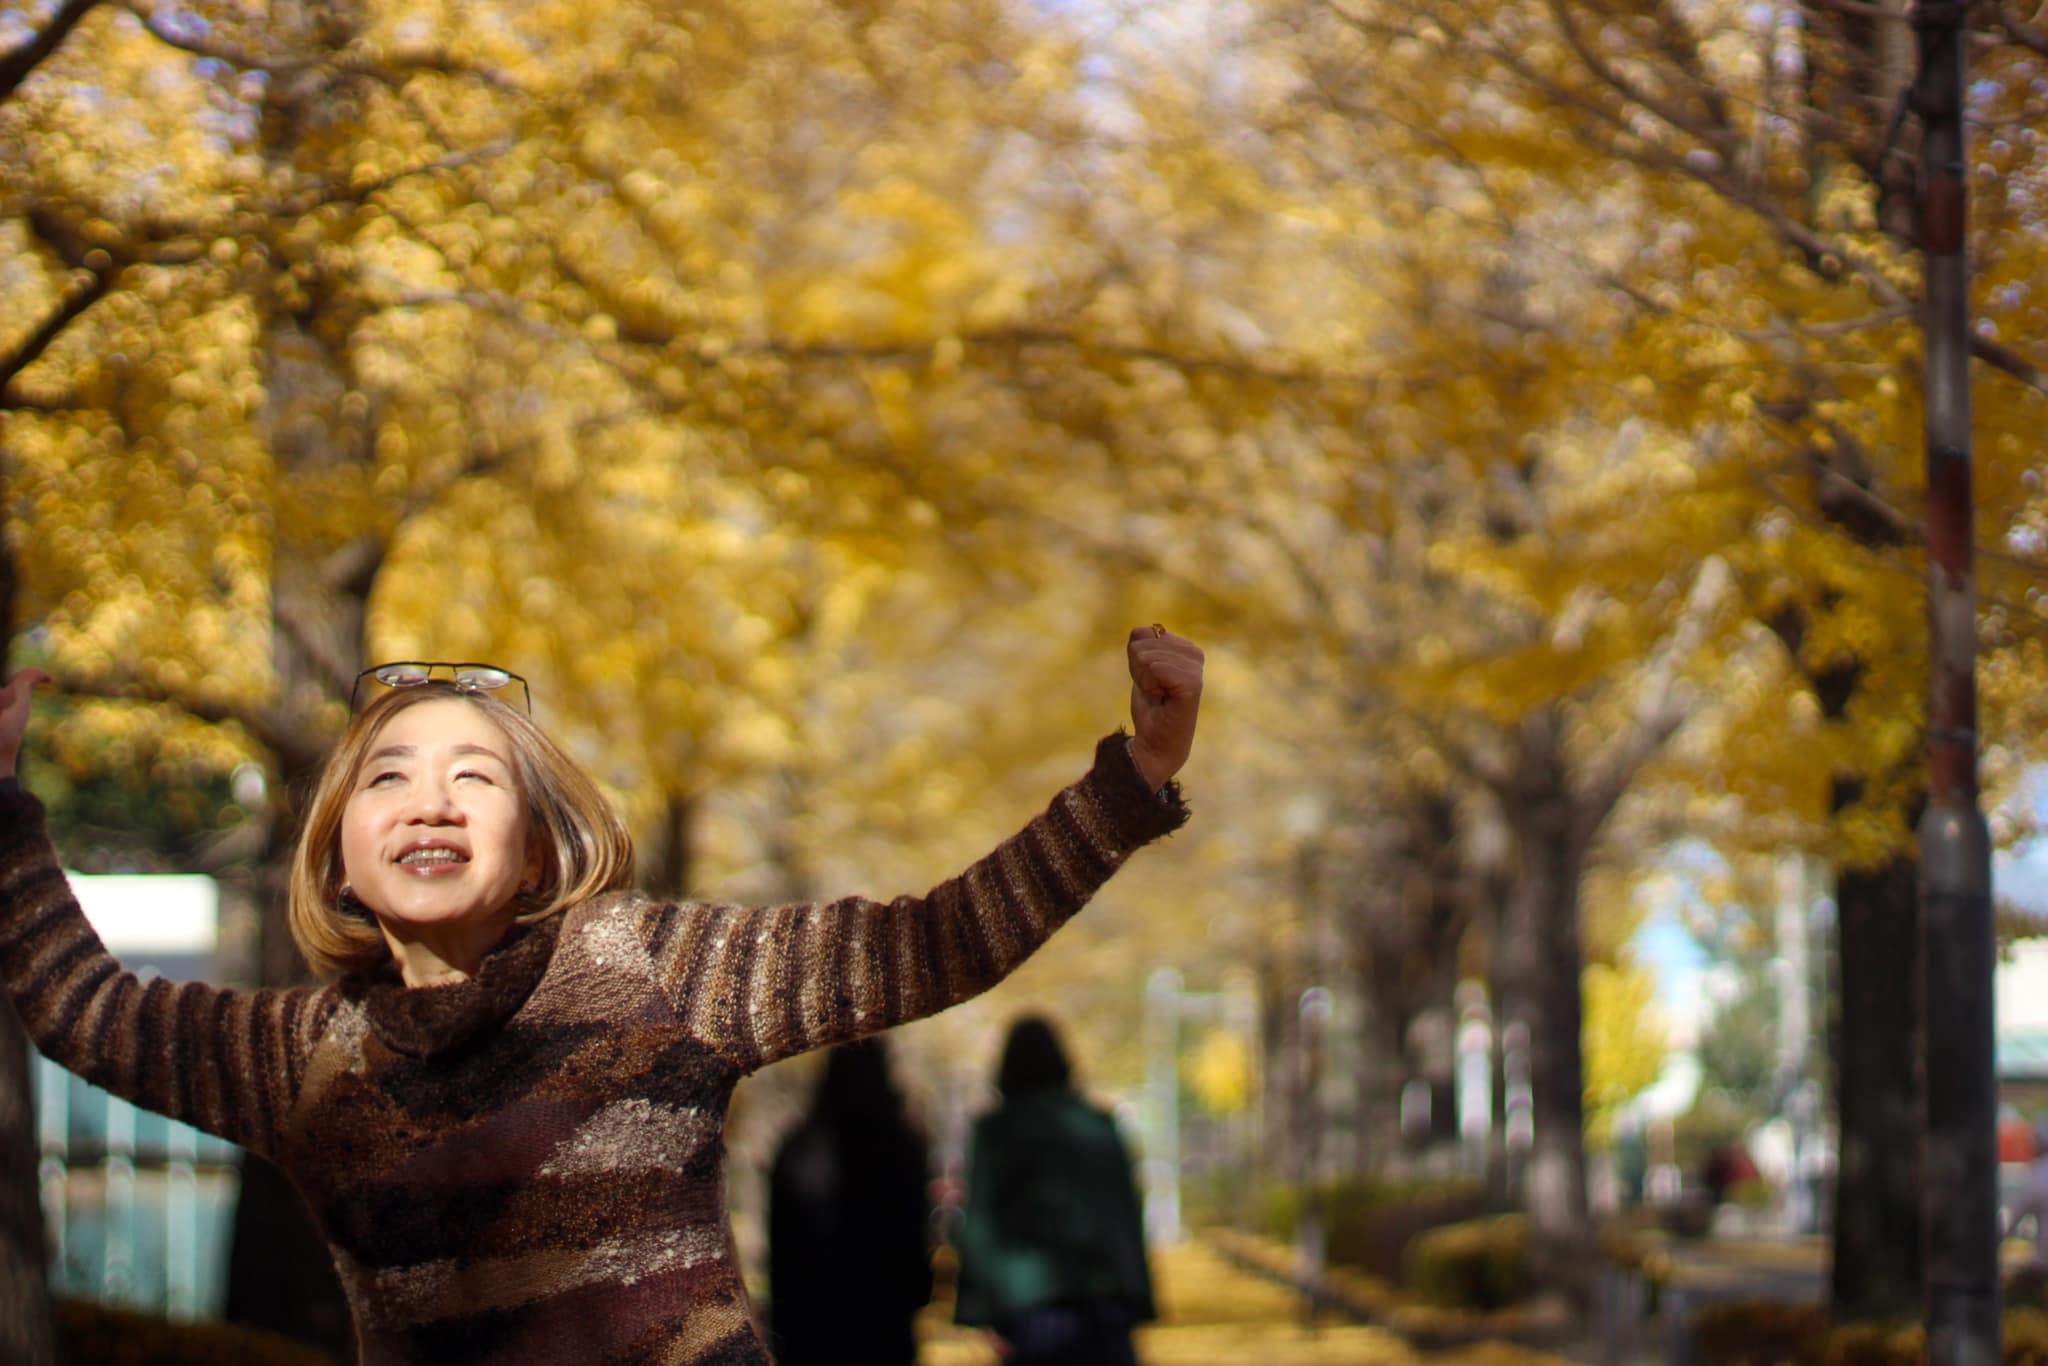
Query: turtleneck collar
x,y
421,1022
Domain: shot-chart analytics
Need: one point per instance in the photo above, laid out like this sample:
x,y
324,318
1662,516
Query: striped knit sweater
x,y
527,1166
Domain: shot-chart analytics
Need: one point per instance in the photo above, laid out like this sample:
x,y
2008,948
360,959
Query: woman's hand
x,y
14,716
1166,692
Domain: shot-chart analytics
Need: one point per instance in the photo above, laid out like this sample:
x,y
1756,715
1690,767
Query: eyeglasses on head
x,y
464,676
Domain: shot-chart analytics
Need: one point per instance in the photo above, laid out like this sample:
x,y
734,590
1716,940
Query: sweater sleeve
x,y
225,1061
764,984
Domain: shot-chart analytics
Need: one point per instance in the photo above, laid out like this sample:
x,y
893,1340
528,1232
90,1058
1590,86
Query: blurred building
x,y
2022,1027
139,1209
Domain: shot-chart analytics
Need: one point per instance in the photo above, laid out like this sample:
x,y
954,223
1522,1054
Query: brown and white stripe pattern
x,y
225,1061
549,1189
764,984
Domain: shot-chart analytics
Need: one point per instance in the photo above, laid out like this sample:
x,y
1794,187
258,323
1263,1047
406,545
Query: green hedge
x,y
1368,1225
1479,1264
1766,1333
91,1334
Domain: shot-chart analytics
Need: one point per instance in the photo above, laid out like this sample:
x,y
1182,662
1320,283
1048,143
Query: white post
x,y
1162,1094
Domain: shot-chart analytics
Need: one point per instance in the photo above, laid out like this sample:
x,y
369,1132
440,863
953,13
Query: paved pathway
x,y
1215,1315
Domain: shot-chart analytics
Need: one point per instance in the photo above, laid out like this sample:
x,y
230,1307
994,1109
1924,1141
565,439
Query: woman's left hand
x,y
1166,693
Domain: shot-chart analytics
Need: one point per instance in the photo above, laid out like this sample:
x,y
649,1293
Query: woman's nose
x,y
434,803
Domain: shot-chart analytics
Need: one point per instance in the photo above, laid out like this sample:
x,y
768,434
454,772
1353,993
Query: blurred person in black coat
x,y
849,1222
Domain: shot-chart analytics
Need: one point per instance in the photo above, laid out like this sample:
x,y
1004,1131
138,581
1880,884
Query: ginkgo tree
x,y
1733,374
360,329
718,363
1778,306
400,288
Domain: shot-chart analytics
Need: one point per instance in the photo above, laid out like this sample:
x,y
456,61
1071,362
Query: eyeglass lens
x,y
412,675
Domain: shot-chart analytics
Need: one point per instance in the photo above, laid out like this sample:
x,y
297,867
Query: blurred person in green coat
x,y
1051,1243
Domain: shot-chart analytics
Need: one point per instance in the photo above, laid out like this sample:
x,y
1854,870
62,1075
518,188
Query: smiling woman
x,y
507,1110
519,826
434,838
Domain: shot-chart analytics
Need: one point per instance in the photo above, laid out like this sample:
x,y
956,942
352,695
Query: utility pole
x,y
1960,1205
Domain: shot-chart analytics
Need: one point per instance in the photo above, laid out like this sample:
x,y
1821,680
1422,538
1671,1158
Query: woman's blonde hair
x,y
584,847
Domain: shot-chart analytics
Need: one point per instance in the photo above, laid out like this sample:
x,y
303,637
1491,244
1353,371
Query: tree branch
x,y
263,725
1856,9
16,65
1661,706
1820,256
350,191
94,269
1607,75
2003,358
88,287
2020,31
392,73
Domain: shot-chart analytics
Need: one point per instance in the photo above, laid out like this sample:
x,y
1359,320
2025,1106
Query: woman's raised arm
x,y
225,1061
761,985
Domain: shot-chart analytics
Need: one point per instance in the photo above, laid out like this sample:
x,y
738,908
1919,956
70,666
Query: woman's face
x,y
434,836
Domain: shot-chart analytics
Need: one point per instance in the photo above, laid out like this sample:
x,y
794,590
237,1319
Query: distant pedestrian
x,y
849,1222
2015,1136
2028,1217
1631,1161
1729,1168
1051,1243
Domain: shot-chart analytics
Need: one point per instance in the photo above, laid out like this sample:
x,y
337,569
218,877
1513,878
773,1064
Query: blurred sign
x,y
143,915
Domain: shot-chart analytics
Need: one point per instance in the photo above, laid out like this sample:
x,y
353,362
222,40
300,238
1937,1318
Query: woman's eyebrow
x,y
412,752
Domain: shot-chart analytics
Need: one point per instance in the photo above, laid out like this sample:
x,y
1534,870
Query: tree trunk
x,y
1511,972
1503,1164
281,1276
1544,957
1877,1255
1552,1008
1433,1045
671,869
25,1331
1382,1061
1280,1034
25,1328
1874,1043
1403,931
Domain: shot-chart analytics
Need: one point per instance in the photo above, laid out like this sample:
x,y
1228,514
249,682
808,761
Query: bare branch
x,y
1607,75
388,72
16,65
88,286
264,725
2026,34
352,191
94,269
1661,705
2016,366
1857,9
338,674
